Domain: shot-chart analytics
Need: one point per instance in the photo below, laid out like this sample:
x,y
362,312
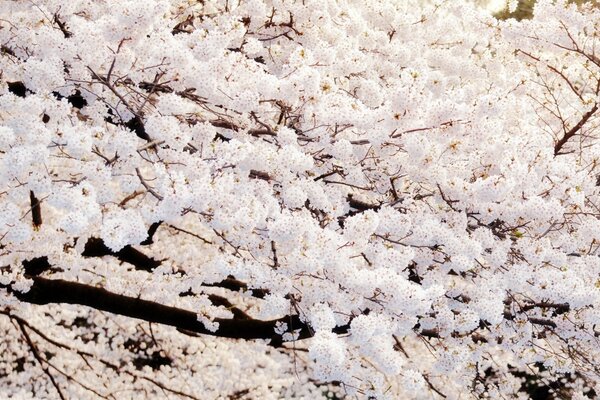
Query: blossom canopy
x,y
312,198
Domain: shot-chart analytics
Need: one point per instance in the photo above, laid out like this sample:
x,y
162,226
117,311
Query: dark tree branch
x,y
36,266
442,395
95,247
254,174
84,355
151,231
58,291
361,205
573,131
190,233
40,359
36,210
328,174
224,302
183,26
542,321
17,88
136,124
234,285
221,123
154,87
62,26
559,308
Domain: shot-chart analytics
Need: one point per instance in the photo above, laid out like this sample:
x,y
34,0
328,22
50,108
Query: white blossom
x,y
313,199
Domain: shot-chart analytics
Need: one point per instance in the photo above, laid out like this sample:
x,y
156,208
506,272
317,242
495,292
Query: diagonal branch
x,y
84,355
573,131
149,188
40,359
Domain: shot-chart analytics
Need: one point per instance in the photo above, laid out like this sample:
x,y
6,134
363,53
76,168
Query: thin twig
x,y
148,187
40,360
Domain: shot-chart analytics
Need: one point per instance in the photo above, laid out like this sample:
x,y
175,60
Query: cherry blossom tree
x,y
264,199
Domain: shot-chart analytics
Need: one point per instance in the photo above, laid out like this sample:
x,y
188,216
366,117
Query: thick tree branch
x,y
95,247
58,291
235,285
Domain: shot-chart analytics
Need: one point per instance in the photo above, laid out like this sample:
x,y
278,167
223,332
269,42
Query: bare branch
x,y
573,131
149,188
40,359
